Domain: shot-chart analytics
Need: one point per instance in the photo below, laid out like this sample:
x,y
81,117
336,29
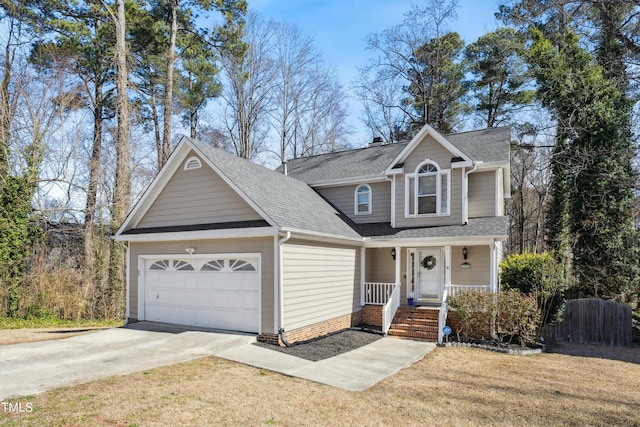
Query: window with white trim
x,y
427,190
362,200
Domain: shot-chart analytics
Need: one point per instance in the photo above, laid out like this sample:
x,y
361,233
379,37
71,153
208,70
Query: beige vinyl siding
x,y
321,282
430,149
342,197
482,194
197,196
479,258
380,266
264,246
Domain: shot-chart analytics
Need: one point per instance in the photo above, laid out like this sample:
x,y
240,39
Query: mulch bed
x,y
327,346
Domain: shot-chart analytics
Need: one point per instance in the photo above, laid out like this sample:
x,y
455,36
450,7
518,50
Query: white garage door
x,y
213,292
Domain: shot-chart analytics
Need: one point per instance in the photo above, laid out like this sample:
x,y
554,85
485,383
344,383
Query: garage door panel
x,y
159,279
212,292
250,301
195,299
234,299
219,302
249,282
165,313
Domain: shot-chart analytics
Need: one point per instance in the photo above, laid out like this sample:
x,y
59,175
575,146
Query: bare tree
x,y
400,66
249,80
308,111
383,104
529,189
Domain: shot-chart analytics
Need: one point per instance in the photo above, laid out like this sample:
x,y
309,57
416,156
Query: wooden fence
x,y
593,321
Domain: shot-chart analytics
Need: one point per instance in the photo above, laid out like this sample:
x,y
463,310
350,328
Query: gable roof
x,y
486,145
289,203
283,201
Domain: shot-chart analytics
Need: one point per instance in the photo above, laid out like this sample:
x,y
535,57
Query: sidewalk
x,y
355,370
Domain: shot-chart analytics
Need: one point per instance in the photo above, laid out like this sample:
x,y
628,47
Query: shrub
x,y
514,315
517,316
474,310
538,275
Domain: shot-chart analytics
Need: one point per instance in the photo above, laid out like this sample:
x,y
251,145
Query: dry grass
x,y
450,386
18,336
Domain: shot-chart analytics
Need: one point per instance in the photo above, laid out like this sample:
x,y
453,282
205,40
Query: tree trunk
x,y
156,126
122,190
168,98
92,189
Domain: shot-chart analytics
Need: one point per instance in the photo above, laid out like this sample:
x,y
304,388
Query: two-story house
x,y
325,242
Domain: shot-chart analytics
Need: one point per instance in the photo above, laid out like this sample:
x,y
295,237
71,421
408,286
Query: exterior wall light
x,y
465,253
393,253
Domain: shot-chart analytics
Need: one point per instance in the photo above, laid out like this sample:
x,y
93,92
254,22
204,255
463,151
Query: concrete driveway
x,y
32,368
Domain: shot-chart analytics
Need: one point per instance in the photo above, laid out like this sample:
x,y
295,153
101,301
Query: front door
x,y
428,267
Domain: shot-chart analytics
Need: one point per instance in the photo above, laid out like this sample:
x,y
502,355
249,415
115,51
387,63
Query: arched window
x,y
362,200
428,190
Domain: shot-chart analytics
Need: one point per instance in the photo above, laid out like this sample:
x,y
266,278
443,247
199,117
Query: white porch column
x,y
398,256
363,265
493,273
447,264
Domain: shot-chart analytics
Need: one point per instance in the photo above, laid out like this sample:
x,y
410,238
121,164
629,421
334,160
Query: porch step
x,y
415,335
415,323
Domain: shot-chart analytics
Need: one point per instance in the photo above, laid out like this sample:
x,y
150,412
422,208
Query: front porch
x,y
404,290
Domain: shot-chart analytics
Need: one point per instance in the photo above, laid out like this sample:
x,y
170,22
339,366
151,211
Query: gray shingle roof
x,y
478,227
290,203
487,145
344,164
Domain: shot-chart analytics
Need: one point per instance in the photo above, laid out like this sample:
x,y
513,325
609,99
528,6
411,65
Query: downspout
x,y
128,282
465,191
286,237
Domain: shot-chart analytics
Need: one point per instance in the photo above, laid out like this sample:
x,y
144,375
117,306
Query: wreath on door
x,y
429,262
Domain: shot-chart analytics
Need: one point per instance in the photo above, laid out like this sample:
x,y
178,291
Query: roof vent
x,y
192,163
376,141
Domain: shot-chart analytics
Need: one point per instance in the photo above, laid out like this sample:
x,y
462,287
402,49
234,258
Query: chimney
x,y
285,169
376,141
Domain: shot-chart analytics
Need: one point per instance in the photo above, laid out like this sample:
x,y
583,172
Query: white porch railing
x,y
377,293
390,308
456,289
385,294
449,291
442,318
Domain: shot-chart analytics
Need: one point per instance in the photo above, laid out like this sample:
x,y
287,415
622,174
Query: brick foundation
x,y
270,338
316,330
372,315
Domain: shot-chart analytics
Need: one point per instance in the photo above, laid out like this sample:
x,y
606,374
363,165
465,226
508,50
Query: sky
x,y
340,28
